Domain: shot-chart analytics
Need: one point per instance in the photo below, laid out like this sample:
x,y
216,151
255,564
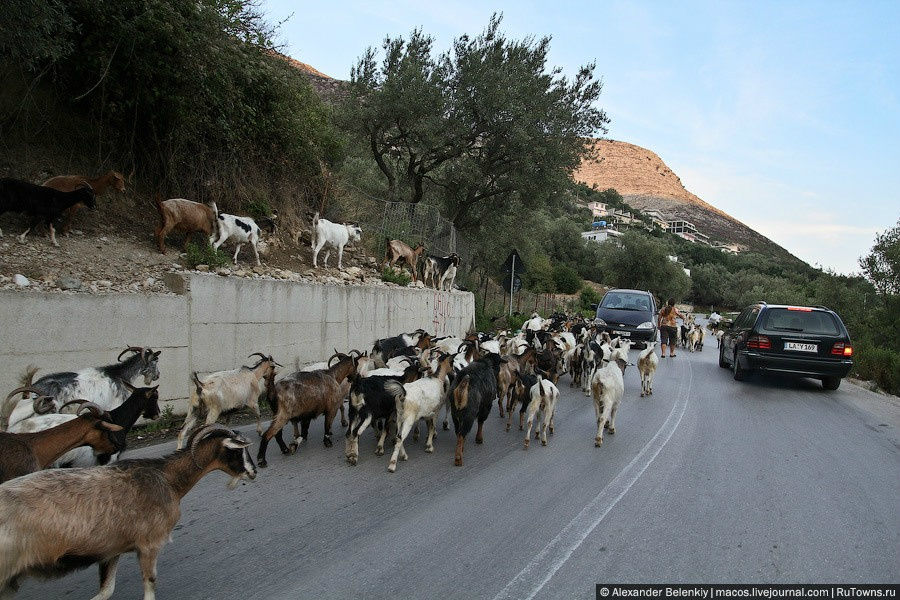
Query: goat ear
x,y
128,386
157,353
155,387
236,444
108,426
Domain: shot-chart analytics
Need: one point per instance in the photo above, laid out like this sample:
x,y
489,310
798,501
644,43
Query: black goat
x,y
473,392
399,345
371,401
42,204
521,394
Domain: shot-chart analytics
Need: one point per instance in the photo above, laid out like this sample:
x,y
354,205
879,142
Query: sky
x,y
786,115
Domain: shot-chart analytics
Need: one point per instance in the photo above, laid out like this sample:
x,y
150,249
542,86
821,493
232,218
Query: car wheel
x,y
722,362
831,383
740,374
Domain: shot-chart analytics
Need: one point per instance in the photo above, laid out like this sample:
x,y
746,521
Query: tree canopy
x,y
478,125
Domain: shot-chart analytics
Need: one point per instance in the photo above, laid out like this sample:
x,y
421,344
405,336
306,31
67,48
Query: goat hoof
x,y
543,442
344,423
507,426
598,442
262,463
551,431
527,442
379,451
479,440
429,449
445,427
612,430
457,462
351,460
521,428
392,468
292,448
328,443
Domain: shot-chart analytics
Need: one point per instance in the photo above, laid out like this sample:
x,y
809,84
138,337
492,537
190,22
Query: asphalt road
x,y
709,480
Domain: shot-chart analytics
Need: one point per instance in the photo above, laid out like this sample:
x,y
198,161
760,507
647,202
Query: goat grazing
x,y
544,396
77,517
398,252
472,394
607,389
387,348
337,235
103,386
241,230
225,391
184,216
303,396
41,204
143,402
70,183
647,363
23,453
440,269
420,399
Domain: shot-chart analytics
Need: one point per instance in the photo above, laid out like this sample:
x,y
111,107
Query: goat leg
x,y
107,578
147,559
460,446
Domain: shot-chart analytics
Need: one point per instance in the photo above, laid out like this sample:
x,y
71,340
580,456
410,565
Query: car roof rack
x,y
822,307
761,302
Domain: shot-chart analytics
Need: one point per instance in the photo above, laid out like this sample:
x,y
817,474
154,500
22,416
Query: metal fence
x,y
412,223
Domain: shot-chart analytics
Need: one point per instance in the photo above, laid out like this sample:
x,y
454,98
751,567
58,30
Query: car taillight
x,y
800,308
842,349
759,342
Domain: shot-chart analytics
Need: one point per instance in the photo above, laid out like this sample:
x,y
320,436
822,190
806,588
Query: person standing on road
x,y
668,327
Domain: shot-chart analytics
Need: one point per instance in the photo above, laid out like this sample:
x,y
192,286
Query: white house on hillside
x,y
599,235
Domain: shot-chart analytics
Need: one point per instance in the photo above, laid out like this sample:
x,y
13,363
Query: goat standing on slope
x,y
241,230
70,183
440,269
336,235
398,252
185,216
41,204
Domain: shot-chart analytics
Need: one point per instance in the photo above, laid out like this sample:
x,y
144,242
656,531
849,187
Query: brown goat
x,y
70,183
23,453
303,396
76,517
185,216
398,252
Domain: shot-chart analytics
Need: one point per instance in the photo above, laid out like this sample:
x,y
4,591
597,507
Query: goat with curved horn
x,y
138,349
43,405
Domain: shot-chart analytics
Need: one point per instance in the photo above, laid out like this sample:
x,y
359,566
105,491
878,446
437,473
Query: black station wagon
x,y
806,341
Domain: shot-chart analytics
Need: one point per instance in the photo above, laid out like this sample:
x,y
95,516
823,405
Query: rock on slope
x,y
645,182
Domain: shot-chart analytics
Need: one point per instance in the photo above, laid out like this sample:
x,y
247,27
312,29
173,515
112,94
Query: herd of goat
x,y
56,520
59,199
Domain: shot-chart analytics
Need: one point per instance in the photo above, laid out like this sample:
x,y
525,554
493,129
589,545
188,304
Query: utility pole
x,y
512,280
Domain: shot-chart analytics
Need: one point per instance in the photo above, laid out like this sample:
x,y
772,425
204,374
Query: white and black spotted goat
x,y
241,230
441,269
104,386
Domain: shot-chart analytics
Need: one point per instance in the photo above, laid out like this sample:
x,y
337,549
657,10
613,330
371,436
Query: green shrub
x,y
397,276
515,322
880,365
205,254
258,208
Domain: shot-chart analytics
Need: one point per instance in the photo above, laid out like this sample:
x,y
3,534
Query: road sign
x,y
508,265
515,285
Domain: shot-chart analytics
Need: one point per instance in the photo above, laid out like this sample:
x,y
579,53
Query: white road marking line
x,y
554,555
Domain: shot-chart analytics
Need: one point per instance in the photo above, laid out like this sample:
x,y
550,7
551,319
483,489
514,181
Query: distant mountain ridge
x,y
647,183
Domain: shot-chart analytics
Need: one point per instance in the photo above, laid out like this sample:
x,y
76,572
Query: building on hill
x,y
675,260
660,220
598,209
728,248
686,230
600,234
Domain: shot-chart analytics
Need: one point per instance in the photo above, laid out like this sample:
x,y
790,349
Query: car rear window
x,y
783,319
626,301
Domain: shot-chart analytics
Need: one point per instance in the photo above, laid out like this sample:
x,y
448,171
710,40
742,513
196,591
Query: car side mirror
x,y
594,306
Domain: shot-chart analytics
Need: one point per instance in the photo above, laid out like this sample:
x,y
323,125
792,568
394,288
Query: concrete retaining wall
x,y
213,324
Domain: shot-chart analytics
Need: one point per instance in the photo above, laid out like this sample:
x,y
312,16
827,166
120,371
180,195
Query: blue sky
x,y
786,115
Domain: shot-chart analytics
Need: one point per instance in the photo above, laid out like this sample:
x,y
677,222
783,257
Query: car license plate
x,y
623,333
801,347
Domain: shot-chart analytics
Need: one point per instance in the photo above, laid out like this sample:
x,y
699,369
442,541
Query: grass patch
x,y
166,420
205,254
397,276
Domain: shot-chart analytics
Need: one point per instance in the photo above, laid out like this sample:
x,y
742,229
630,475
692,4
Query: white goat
x,y
647,363
241,230
224,391
544,396
335,235
421,399
607,389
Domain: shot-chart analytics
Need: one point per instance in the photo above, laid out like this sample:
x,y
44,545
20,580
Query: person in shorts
x,y
668,327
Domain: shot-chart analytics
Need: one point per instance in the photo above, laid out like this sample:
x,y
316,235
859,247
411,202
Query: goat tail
x,y
28,376
158,203
395,389
197,392
461,394
214,208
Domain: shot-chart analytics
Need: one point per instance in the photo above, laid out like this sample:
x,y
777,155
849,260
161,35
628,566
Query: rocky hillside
x,y
646,183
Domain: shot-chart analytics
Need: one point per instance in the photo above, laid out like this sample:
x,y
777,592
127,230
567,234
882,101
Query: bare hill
x,y
646,183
